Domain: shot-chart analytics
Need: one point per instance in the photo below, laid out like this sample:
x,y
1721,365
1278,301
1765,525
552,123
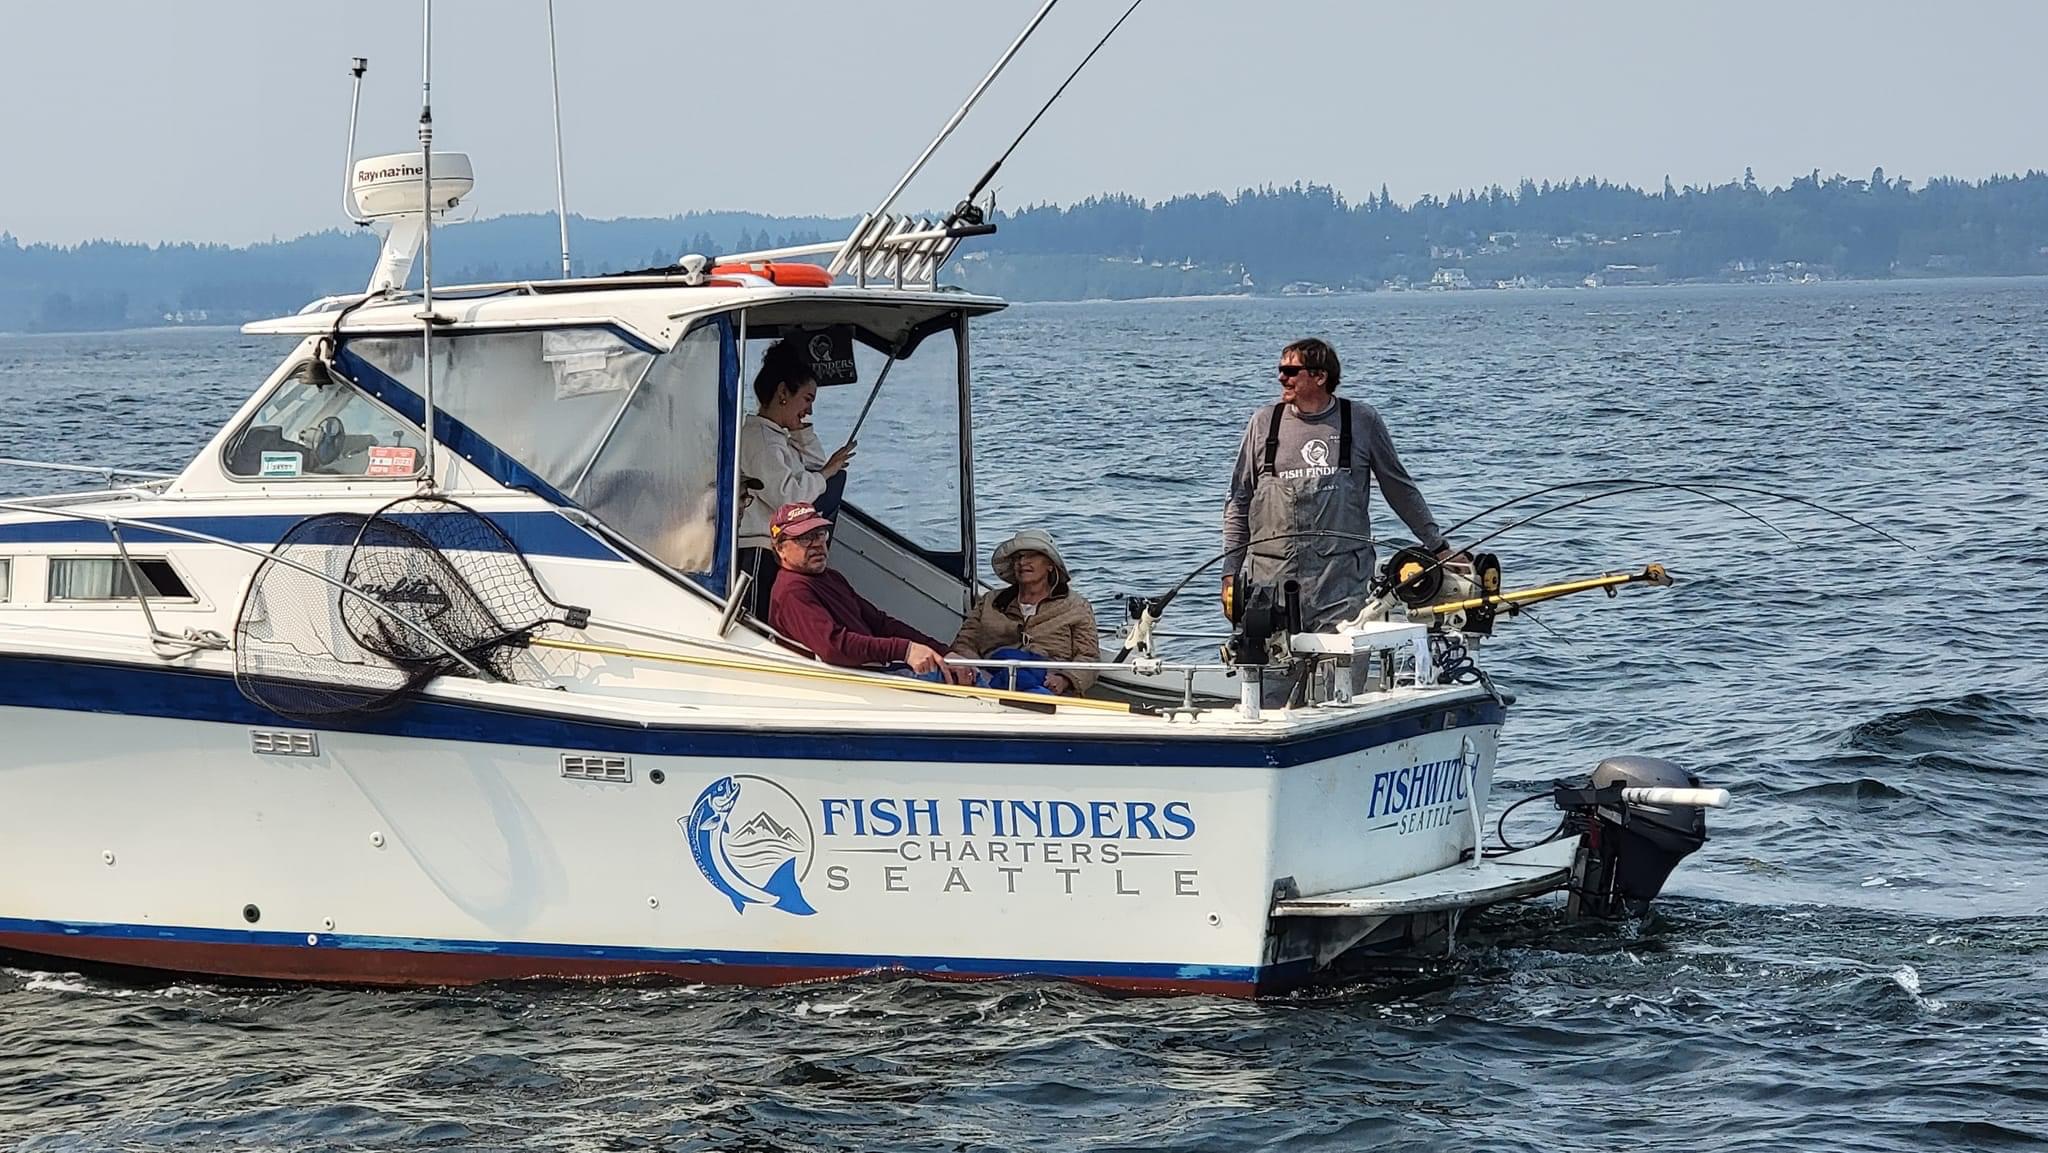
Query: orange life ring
x,y
790,275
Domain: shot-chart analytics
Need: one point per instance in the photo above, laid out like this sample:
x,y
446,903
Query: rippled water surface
x,y
1857,960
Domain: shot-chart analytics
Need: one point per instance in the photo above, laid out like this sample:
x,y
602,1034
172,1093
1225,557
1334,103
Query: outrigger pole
x,y
1652,574
427,245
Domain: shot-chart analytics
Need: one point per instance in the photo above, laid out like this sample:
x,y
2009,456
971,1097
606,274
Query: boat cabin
x,y
621,405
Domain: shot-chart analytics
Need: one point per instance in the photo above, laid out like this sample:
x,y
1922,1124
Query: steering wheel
x,y
327,441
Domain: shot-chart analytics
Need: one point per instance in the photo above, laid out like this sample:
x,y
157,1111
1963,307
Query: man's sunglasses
x,y
1290,371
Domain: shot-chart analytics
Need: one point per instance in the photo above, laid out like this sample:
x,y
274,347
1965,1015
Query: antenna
x,y
427,251
561,196
349,207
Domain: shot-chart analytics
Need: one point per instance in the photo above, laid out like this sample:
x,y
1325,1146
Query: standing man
x,y
1306,467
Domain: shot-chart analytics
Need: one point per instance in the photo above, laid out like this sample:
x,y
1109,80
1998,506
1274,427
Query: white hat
x,y
1027,540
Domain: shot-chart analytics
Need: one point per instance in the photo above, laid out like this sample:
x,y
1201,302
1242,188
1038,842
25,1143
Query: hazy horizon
x,y
223,124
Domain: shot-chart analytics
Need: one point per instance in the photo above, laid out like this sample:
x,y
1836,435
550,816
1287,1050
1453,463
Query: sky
x,y
227,120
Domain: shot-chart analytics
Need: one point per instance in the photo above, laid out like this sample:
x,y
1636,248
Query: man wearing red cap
x,y
819,609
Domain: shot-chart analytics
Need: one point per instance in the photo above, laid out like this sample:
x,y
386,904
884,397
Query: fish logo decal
x,y
753,841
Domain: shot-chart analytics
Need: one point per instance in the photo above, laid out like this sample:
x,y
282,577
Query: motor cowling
x,y
1628,849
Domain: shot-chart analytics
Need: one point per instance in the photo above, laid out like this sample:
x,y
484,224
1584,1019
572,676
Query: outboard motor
x,y
1639,817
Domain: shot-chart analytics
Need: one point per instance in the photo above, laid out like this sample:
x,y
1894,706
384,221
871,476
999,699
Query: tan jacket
x,y
1063,629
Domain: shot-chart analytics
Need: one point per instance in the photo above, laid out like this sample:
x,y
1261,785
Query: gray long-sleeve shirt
x,y
1306,441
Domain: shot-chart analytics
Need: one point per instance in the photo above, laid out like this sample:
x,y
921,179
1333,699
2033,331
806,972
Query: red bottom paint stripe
x,y
407,967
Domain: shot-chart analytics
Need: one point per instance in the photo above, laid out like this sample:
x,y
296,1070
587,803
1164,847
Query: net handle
x,y
572,616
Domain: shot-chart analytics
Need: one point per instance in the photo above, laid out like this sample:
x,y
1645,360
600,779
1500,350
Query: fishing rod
x,y
875,219
1149,610
894,353
1410,580
1540,514
965,212
1633,485
1688,486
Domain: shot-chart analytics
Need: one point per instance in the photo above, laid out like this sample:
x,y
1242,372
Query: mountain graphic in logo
x,y
752,841
765,826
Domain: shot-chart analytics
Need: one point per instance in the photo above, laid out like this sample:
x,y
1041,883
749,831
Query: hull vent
x,y
283,743
591,767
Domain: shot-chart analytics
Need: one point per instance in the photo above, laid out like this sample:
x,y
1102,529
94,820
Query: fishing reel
x,y
1263,618
1427,587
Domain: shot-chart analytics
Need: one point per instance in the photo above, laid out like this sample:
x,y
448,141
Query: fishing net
x,y
350,614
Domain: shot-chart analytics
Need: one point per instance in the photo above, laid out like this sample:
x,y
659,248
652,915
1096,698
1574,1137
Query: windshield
x,y
313,425
543,397
905,470
584,416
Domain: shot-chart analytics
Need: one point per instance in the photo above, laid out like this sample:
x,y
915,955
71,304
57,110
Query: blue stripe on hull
x,y
68,938
534,533
186,694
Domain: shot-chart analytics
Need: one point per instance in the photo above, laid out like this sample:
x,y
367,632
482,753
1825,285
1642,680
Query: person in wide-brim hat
x,y
1036,615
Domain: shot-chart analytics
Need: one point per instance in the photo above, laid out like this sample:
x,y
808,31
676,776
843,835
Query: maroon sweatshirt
x,y
826,616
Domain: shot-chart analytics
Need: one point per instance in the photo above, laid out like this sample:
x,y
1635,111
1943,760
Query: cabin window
x,y
6,578
655,480
543,397
107,578
317,425
907,474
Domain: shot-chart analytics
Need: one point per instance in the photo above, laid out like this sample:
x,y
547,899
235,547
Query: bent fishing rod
x,y
1688,485
1627,486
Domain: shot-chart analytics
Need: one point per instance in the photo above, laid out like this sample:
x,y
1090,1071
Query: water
x,y
1855,961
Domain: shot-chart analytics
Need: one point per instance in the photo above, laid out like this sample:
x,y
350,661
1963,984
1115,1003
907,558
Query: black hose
x,y
1500,827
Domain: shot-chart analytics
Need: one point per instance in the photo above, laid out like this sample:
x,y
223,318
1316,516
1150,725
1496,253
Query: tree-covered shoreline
x,y
1274,239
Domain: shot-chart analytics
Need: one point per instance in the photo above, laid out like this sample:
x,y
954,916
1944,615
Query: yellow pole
x,y
838,676
1654,574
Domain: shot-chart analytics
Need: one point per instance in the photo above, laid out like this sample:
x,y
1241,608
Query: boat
x,y
343,701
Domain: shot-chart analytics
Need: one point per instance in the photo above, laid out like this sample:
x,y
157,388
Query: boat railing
x,y
89,496
172,646
1144,666
107,473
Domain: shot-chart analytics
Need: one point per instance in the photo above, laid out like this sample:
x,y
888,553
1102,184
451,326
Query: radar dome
x,y
387,186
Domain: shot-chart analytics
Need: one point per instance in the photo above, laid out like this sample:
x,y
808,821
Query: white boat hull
x,y
448,842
